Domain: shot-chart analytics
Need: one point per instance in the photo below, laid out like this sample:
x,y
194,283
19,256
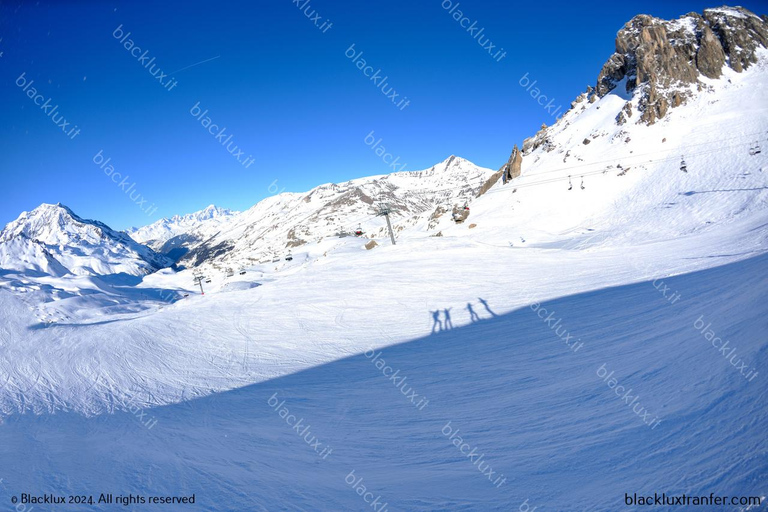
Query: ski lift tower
x,y
199,280
385,210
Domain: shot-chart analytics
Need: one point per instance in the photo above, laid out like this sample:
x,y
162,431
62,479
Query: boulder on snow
x,y
370,245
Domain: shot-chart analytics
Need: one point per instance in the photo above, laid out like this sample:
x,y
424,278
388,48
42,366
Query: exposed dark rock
x,y
663,58
459,214
710,57
513,167
490,182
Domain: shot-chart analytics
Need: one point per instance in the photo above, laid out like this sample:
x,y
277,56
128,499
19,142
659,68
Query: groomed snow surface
x,y
513,335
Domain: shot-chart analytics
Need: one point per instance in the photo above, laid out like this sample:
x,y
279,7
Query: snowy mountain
x,y
52,239
289,221
682,170
158,233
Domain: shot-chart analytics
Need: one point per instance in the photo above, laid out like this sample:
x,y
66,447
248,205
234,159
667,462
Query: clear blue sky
x,y
283,88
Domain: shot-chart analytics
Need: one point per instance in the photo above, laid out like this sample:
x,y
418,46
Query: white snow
x,y
157,233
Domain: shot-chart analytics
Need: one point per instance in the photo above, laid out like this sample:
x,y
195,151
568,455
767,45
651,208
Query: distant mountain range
x,y
691,64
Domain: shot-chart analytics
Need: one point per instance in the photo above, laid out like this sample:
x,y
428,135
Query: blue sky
x,y
282,86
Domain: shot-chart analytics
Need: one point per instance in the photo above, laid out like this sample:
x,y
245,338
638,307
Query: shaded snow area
x,y
560,348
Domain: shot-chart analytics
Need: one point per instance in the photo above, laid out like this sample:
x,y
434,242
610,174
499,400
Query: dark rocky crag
x,y
510,170
660,64
513,167
662,59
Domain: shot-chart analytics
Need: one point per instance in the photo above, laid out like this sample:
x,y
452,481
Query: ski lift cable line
x,y
674,155
651,153
605,171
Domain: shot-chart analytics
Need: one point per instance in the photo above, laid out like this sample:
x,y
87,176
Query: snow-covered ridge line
x,y
157,233
53,237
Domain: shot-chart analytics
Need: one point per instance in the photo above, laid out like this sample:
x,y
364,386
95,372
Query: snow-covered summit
x,y
53,232
157,233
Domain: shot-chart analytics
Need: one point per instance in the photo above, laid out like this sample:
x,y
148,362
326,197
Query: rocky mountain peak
x,y
80,246
665,60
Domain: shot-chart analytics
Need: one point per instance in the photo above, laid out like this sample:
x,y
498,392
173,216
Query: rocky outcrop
x,y
625,114
665,60
491,182
513,167
459,215
510,170
541,139
740,32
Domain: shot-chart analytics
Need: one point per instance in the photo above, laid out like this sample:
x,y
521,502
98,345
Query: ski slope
x,y
536,408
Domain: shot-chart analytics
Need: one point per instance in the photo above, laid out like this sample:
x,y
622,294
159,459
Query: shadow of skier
x,y
448,322
485,305
473,316
437,324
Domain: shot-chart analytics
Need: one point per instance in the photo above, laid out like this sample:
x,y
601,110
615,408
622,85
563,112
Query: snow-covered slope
x,y
82,247
542,415
158,233
697,167
290,220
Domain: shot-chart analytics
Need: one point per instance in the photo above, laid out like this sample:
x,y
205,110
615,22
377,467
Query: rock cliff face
x,y
664,61
513,167
658,64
